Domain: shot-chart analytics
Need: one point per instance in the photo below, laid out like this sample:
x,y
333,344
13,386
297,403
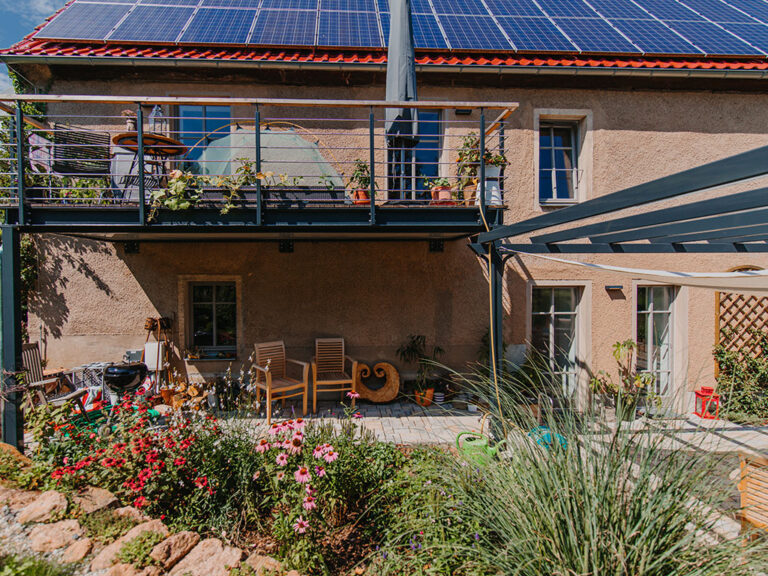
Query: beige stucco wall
x,y
94,297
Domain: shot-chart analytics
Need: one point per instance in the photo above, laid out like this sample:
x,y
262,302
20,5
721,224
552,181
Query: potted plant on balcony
x,y
631,385
440,189
493,165
415,352
360,182
467,164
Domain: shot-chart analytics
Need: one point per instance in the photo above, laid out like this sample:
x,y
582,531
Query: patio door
x,y
554,333
654,335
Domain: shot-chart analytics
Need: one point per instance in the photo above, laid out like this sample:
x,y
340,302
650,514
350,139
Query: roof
x,y
31,47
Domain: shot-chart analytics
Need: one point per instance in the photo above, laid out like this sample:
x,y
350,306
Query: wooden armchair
x,y
275,379
53,388
753,489
332,369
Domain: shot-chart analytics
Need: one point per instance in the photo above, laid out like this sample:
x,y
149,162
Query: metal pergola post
x,y
496,279
13,423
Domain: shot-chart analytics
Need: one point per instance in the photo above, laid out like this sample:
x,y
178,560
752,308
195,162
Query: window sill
x,y
558,203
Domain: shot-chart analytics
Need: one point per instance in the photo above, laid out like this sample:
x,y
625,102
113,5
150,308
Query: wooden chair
x,y
53,388
753,488
332,369
275,379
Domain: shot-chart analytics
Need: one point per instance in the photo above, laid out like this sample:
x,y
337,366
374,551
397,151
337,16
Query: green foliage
x,y
437,182
104,526
29,566
615,503
631,384
415,351
137,551
361,175
743,381
181,194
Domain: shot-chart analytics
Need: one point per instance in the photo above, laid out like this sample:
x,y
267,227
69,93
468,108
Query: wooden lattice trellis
x,y
739,316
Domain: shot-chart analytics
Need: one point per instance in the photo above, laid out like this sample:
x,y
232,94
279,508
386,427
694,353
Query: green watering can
x,y
476,447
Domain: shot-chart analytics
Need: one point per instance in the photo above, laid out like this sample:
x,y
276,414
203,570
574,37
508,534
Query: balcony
x,y
121,168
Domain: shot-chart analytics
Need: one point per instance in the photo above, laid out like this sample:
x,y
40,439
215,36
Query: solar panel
x,y
426,31
619,9
166,2
219,26
141,25
712,39
670,10
757,8
757,34
355,29
451,7
717,11
569,8
594,35
349,5
535,34
289,4
653,37
231,3
86,21
275,28
517,8
474,33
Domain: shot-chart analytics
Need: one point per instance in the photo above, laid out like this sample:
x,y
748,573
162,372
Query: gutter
x,y
381,67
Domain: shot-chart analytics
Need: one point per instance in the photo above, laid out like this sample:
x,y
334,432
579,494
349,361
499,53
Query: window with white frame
x,y
654,334
554,332
558,161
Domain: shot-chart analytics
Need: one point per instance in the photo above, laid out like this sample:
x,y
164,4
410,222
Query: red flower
x,y
139,502
201,482
179,462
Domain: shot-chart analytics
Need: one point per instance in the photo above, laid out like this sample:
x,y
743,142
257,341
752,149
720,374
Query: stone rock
x,y
44,508
17,499
14,454
50,537
171,550
77,551
108,555
210,557
261,563
131,513
293,573
93,499
123,570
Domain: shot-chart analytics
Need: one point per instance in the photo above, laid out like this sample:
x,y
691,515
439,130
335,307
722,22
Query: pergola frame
x,y
727,224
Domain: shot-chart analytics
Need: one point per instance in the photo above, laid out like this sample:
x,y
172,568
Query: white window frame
x,y
582,121
583,330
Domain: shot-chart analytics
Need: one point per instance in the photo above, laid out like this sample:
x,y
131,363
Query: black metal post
x,y
140,162
481,184
372,146
496,277
13,423
502,143
20,162
257,131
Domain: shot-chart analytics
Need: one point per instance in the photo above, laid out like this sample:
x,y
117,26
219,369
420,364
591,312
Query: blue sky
x,y
17,19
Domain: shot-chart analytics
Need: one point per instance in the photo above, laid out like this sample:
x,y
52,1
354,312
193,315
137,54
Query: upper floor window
x,y
410,166
558,162
198,126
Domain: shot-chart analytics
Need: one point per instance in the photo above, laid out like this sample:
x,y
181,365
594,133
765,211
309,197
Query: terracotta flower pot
x,y
360,196
424,398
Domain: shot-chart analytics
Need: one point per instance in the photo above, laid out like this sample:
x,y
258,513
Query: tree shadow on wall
x,y
58,254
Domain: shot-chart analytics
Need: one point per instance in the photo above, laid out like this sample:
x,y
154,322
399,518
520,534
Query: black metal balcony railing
x,y
157,156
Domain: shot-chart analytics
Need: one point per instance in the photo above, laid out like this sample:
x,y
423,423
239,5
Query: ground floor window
x,y
554,334
214,311
654,334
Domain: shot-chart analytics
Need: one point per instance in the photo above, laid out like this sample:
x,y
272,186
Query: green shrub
x,y
28,566
104,526
137,551
743,382
608,503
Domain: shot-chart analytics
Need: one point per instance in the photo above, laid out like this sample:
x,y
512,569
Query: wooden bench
x,y
753,489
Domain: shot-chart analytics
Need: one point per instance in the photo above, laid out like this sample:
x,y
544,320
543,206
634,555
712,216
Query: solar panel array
x,y
674,27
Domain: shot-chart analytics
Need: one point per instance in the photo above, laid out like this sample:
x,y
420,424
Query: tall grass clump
x,y
610,502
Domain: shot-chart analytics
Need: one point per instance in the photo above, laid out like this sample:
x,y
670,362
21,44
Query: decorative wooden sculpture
x,y
388,391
